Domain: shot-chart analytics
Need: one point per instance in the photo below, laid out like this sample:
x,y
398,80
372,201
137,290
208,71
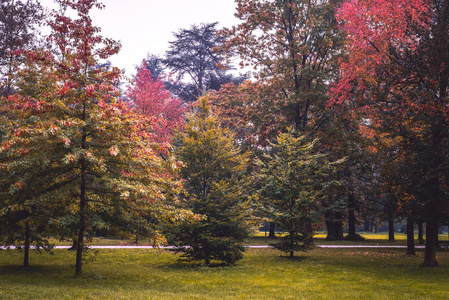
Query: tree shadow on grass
x,y
32,270
294,258
196,265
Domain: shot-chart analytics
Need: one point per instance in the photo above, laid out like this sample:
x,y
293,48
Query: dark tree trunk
x,y
334,226
330,226
272,231
80,244
351,223
420,233
27,246
308,230
292,243
391,229
431,243
338,226
74,245
410,236
367,226
82,205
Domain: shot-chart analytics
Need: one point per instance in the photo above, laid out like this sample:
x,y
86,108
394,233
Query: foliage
x,y
215,182
73,147
196,67
150,98
18,31
396,72
294,178
293,45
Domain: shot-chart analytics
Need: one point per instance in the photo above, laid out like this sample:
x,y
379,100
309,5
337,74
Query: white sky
x,y
146,26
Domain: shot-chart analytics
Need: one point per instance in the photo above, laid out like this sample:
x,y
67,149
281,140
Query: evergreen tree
x,y
294,179
215,181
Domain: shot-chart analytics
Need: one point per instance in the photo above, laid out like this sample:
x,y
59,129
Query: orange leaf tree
x,y
87,157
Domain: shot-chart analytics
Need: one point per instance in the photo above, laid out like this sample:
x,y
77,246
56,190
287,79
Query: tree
x,y
18,32
215,181
150,98
293,45
196,67
294,180
73,144
397,72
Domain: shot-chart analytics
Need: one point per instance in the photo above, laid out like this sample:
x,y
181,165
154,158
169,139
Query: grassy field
x,y
262,274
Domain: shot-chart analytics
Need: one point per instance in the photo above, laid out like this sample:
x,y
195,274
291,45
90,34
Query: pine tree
x,y
214,174
294,178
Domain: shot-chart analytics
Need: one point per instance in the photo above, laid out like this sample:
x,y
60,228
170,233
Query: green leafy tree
x,y
294,179
72,144
215,181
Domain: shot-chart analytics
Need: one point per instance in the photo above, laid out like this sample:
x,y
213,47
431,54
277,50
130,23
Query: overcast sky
x,y
146,26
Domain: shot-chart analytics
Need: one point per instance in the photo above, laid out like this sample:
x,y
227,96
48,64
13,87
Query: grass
x,y
262,274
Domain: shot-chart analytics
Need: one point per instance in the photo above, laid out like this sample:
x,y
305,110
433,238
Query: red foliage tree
x,y
71,150
150,98
397,72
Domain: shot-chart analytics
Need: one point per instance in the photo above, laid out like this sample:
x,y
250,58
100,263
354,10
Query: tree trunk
x,y
272,235
330,226
338,224
308,230
351,215
367,226
292,243
80,244
410,236
81,226
27,246
420,233
391,229
431,243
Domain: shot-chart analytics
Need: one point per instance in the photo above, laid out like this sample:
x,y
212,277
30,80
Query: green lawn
x,y
262,274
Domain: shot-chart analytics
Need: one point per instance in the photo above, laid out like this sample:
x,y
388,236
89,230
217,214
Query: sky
x,y
146,26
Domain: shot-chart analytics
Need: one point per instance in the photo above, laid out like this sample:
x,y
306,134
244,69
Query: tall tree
x,y
87,150
216,184
150,98
397,71
19,21
293,45
196,67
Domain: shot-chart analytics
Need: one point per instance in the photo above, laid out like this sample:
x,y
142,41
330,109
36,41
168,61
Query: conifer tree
x,y
294,178
215,180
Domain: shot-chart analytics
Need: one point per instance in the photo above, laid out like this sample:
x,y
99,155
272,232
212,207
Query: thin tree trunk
x,y
272,235
80,244
420,233
391,229
27,246
410,236
81,226
351,215
292,242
